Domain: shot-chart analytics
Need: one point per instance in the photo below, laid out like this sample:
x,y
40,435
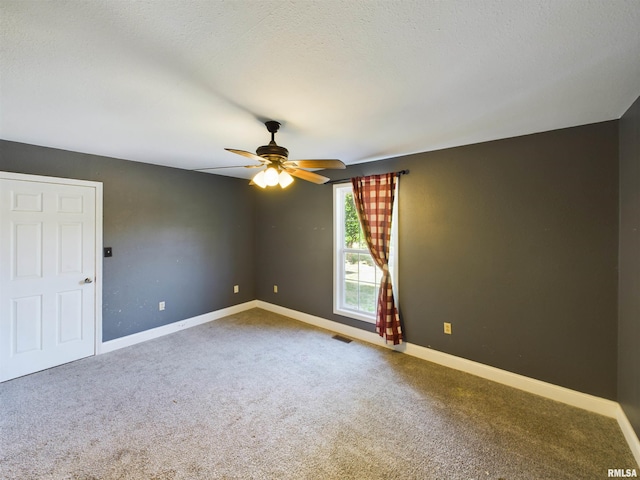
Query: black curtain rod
x,y
345,180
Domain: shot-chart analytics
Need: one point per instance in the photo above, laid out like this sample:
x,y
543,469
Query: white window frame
x,y
339,305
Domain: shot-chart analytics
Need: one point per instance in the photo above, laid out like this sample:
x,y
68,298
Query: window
x,y
356,276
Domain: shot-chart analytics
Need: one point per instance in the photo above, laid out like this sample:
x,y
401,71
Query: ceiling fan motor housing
x,y
273,150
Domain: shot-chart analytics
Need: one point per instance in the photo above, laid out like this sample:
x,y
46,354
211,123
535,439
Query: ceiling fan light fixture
x,y
259,180
271,177
278,168
284,179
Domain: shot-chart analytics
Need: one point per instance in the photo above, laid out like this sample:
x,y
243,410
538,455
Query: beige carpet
x,y
260,396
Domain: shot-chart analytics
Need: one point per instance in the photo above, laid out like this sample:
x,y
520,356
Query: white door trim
x,y
98,236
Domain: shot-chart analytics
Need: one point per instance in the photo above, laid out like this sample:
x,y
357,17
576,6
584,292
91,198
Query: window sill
x,y
355,315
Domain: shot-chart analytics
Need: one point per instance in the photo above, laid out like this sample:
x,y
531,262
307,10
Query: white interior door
x,y
47,275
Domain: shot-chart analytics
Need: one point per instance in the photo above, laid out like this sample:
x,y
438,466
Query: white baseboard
x,y
574,398
129,340
629,433
340,328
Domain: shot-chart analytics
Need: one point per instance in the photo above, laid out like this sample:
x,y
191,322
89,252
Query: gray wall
x,y
177,236
629,266
513,241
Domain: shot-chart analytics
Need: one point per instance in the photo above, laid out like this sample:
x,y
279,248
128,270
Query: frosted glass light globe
x,y
271,176
285,179
259,179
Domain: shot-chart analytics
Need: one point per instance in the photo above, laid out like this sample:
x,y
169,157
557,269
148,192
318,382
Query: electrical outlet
x,y
275,289
236,288
161,306
447,328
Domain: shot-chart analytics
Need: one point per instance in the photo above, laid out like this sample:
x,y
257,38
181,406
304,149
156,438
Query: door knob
x,y
88,280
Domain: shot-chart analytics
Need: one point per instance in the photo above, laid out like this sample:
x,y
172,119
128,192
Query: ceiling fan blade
x,y
308,176
337,164
250,155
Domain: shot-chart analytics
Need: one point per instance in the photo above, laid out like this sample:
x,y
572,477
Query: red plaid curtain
x,y
373,197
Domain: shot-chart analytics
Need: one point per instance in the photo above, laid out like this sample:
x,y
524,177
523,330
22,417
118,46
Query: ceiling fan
x,y
277,168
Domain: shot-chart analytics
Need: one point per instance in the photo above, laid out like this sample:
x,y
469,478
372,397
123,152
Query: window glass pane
x,y
351,266
368,297
367,268
351,223
351,294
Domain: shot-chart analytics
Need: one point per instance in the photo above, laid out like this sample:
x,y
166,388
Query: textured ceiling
x,y
174,82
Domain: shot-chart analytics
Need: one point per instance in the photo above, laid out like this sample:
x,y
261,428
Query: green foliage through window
x,y
352,230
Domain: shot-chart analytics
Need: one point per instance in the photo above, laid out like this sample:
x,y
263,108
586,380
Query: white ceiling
x,y
174,82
